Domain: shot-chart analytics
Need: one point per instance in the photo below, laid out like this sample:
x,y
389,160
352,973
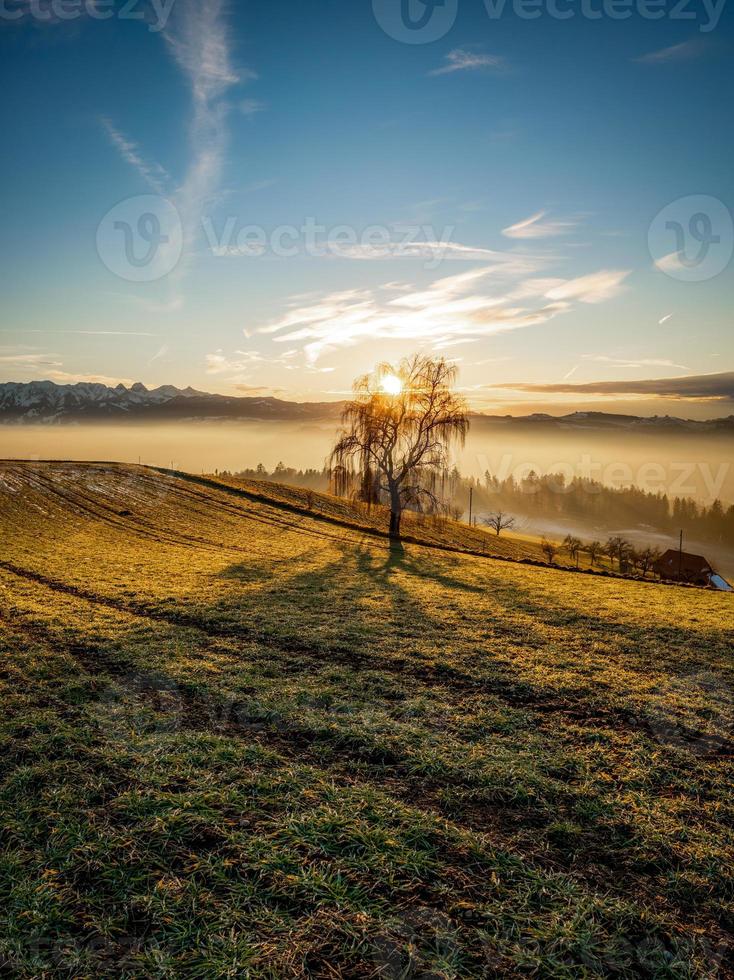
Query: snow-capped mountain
x,y
45,401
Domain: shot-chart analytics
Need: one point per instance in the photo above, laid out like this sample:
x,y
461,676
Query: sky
x,y
271,198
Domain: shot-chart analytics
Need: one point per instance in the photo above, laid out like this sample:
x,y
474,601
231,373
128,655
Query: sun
x,y
391,384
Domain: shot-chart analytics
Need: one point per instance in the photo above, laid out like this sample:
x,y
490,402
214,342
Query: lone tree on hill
x,y
500,522
396,436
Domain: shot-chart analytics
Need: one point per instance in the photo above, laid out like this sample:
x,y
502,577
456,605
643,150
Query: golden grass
x,y
244,736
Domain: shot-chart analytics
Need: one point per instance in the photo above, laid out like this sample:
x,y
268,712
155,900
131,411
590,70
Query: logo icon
x,y
415,21
692,239
141,238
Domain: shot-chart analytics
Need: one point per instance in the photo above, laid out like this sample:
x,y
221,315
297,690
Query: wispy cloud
x,y
671,263
49,367
110,333
64,377
251,107
536,227
474,304
699,387
255,390
30,360
239,367
153,174
199,39
686,51
635,362
461,60
160,353
413,250
220,363
92,333
597,287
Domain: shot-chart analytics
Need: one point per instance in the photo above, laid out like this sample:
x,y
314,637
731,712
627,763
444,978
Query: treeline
x,y
589,502
552,497
310,479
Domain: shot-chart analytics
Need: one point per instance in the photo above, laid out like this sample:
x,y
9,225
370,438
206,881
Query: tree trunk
x,y
395,515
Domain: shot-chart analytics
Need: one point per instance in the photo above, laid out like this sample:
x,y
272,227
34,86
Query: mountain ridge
x,y
51,403
48,402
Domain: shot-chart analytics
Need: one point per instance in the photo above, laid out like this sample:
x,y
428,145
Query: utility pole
x,y
471,503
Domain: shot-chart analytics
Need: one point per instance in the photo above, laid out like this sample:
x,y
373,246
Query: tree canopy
x,y
397,433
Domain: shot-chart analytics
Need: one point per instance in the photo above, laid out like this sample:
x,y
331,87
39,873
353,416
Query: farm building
x,y
679,566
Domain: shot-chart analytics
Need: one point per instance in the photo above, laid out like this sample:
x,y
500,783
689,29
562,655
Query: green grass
x,y
242,737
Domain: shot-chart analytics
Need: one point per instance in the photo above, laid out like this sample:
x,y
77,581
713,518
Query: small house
x,y
679,566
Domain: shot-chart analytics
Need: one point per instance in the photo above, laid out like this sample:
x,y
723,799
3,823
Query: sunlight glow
x,y
391,384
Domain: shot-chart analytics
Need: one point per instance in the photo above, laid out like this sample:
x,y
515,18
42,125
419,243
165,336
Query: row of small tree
x,y
616,548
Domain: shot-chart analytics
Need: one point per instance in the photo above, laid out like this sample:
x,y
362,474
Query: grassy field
x,y
424,529
242,736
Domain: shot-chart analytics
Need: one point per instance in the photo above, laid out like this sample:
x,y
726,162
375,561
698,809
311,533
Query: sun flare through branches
x,y
395,449
391,384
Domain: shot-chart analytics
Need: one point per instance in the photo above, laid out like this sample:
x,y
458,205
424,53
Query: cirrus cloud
x,y
461,60
536,227
474,304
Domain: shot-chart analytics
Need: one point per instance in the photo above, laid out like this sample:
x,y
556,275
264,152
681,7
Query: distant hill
x,y
609,421
48,402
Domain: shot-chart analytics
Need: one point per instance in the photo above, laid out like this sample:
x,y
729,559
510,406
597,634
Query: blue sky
x,y
510,172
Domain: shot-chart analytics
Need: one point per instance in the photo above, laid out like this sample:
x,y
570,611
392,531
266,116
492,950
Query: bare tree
x,y
397,433
645,559
593,550
549,550
573,547
500,522
619,548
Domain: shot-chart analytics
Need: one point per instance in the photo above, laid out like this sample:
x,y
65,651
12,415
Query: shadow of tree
x,y
398,559
365,594
249,572
355,596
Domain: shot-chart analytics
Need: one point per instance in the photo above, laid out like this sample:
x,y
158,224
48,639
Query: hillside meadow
x,y
242,735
